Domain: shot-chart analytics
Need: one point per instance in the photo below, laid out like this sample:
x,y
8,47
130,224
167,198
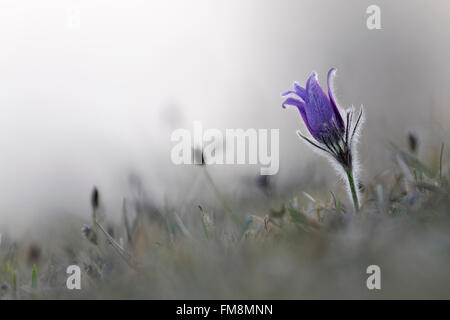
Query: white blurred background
x,y
90,91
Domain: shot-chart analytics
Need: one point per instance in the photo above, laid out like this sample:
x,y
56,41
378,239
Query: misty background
x,y
90,91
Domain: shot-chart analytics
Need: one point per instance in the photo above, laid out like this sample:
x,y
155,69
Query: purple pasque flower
x,y
323,119
318,110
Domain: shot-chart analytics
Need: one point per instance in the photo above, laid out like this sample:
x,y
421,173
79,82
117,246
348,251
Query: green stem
x,y
351,182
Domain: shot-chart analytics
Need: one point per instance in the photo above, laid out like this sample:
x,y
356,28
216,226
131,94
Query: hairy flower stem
x,y
351,182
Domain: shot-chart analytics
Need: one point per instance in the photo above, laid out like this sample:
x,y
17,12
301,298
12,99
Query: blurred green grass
x,y
286,248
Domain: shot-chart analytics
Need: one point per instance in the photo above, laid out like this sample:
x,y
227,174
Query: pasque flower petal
x,y
301,92
319,110
318,107
330,78
301,108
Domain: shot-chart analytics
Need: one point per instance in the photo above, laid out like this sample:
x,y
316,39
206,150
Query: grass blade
x,y
440,162
202,218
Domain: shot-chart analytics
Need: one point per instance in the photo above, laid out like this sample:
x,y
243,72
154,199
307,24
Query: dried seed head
x,y
198,156
95,198
34,254
413,142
